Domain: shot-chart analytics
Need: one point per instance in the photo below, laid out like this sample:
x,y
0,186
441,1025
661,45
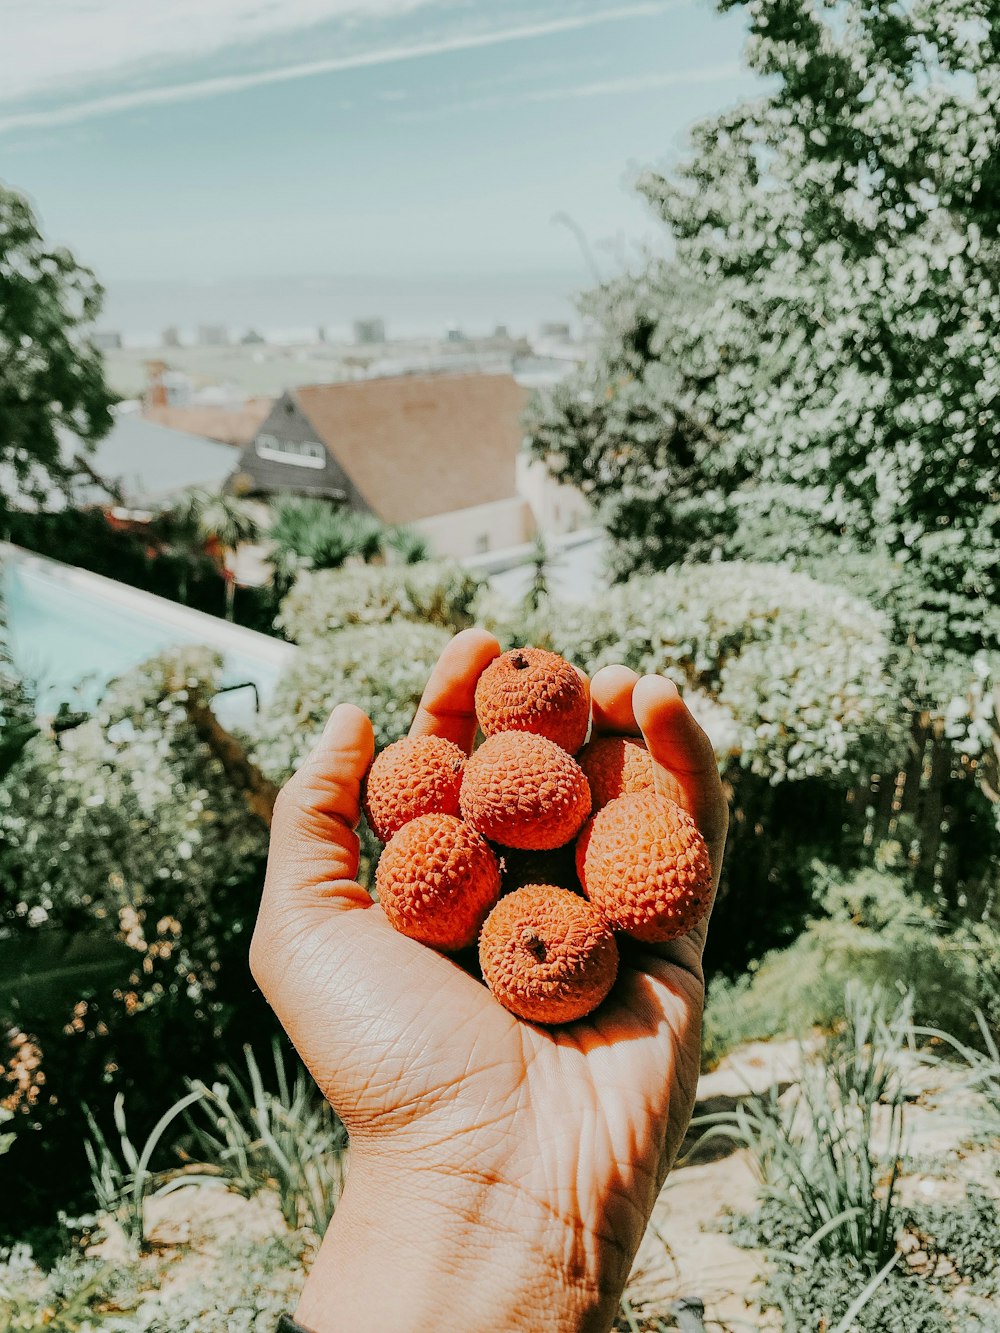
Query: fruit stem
x,y
534,945
519,662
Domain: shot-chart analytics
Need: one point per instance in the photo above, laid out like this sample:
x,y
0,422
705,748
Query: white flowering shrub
x,y
380,667
791,679
430,593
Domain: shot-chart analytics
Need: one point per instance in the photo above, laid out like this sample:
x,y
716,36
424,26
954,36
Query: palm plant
x,y
315,534
408,545
221,523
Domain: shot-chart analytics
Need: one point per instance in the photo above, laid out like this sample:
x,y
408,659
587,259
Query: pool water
x,y
69,633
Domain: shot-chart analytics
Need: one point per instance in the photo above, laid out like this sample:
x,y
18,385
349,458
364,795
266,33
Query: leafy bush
x,y
800,674
256,1138
437,593
380,667
876,933
960,1239
73,1295
129,879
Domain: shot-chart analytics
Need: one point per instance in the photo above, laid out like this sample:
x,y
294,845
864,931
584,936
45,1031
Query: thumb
x,y
314,848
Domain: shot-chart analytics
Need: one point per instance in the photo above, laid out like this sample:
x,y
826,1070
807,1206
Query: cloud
x,y
255,15
722,73
57,46
642,83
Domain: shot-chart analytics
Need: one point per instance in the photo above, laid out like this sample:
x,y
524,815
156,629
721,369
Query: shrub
x,y
801,672
129,879
877,933
437,593
380,667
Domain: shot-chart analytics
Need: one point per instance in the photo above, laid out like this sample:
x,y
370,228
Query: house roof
x,y
227,425
151,463
420,445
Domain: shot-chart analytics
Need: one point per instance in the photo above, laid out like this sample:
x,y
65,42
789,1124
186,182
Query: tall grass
x,y
828,1158
289,1139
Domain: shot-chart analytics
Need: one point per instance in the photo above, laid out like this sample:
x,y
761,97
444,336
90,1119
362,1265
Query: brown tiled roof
x,y
419,445
228,425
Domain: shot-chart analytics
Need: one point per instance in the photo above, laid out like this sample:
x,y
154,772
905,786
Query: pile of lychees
x,y
537,855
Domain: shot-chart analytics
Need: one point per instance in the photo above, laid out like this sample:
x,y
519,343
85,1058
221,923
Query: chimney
x,y
156,389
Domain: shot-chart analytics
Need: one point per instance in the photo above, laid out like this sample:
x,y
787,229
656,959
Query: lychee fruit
x,y
412,777
557,867
437,880
547,955
529,689
524,791
615,766
644,864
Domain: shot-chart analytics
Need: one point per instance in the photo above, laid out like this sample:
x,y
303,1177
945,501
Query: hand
x,y
502,1174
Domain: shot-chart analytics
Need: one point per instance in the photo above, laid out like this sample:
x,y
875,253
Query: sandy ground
x,y
684,1254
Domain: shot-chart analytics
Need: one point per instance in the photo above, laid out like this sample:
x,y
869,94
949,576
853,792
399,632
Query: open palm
x,y
434,1080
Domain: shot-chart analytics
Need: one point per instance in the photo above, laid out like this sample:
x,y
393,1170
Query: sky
x,y
185,143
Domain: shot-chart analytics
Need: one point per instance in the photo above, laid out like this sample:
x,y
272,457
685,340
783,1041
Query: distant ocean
x,y
293,308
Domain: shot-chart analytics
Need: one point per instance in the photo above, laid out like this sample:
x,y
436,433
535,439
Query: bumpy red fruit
x,y
410,778
437,881
529,689
547,955
615,766
524,791
644,865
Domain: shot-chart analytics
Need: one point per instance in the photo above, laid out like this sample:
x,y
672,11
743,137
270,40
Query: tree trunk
x,y
259,792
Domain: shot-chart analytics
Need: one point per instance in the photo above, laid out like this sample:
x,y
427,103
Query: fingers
x,y
611,701
448,705
313,843
686,767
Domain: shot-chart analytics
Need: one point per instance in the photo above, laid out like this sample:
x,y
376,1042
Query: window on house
x,y
482,543
300,453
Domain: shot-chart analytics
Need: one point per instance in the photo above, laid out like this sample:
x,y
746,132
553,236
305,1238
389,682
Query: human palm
x,y
436,1083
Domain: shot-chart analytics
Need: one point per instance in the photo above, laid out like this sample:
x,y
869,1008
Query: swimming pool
x,y
70,632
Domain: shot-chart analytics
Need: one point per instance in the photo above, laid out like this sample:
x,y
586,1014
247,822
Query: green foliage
x,y
822,1294
125,841
824,327
821,1156
123,1180
69,1298
407,545
315,534
960,1239
246,1290
380,667
165,561
51,375
289,1139
878,933
793,679
436,593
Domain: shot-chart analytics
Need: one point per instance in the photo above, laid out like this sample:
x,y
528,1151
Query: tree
x,y
222,523
820,347
51,375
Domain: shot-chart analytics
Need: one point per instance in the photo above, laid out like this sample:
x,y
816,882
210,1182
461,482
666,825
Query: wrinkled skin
x,y
502,1173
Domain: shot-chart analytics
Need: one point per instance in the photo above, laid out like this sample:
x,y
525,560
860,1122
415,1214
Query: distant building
x,y
455,335
440,452
227,423
107,341
555,329
252,339
501,333
171,337
369,331
141,466
166,387
213,335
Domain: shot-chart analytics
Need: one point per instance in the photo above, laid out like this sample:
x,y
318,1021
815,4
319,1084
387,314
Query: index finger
x,y
448,705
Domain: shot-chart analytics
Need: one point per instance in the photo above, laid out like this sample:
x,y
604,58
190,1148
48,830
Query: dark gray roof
x,y
150,463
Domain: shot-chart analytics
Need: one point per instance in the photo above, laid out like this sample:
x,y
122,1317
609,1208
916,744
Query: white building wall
x,y
478,529
557,508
